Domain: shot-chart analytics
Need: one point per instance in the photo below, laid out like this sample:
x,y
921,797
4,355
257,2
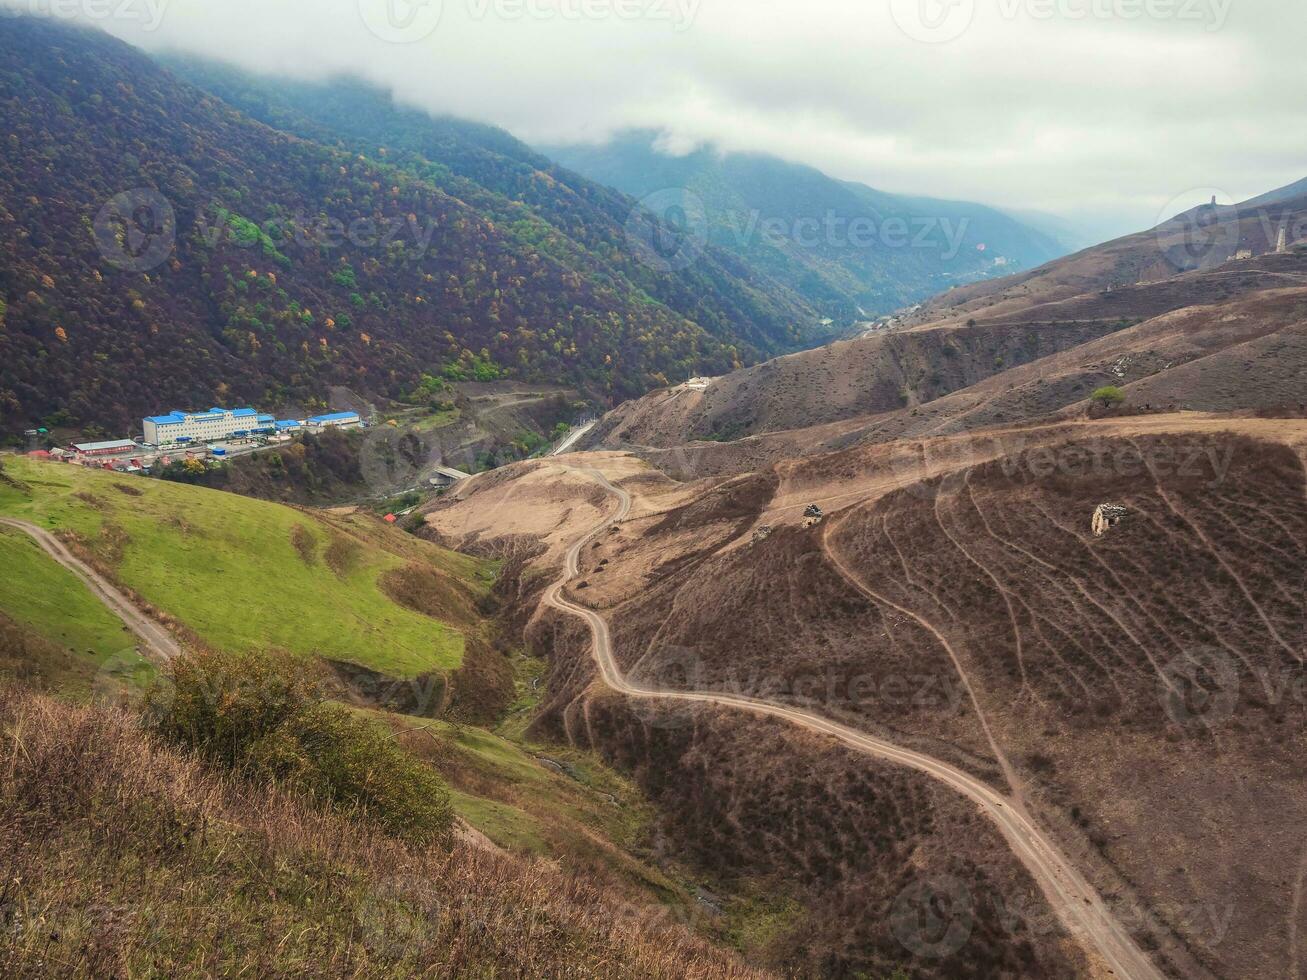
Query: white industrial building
x,y
342,420
211,426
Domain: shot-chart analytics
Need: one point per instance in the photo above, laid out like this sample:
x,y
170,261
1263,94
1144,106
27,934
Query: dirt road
x,y
156,642
573,438
1076,902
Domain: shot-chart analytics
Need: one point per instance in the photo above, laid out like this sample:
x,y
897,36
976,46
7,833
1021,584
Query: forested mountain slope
x,y
849,249
245,264
489,169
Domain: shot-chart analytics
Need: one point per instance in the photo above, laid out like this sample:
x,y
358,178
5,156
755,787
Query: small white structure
x,y
1282,245
336,420
1106,517
1242,254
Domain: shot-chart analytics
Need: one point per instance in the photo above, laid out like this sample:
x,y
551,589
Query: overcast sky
x,y
1109,112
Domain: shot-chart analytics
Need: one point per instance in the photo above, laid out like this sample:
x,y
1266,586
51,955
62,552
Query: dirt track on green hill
x,y
156,642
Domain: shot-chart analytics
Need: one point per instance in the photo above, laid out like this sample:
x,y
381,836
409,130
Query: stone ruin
x,y
1106,517
813,516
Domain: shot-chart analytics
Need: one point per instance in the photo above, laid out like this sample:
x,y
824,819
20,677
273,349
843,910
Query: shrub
x,y
260,716
1108,396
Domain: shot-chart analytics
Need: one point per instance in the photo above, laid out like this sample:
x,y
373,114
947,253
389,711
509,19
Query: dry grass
x,y
306,545
121,857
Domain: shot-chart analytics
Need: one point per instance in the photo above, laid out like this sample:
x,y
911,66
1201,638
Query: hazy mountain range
x,y
849,249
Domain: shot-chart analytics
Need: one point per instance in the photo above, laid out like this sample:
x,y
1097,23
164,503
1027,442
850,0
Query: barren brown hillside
x,y
845,380
1124,313
973,616
1200,240
1246,353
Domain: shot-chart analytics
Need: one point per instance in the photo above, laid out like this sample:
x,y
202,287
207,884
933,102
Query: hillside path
x,y
1076,903
156,642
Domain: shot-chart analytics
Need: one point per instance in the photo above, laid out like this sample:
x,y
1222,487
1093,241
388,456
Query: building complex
x,y
218,424
211,426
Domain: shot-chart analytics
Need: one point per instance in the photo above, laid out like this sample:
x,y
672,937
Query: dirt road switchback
x,y
1076,902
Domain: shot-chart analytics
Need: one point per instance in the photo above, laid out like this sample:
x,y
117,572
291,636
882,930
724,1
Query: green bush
x,y
260,717
1108,396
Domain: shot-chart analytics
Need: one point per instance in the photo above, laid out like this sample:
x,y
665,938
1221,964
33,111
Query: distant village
x,y
215,434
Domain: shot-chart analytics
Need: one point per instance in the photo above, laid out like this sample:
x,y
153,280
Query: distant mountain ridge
x,y
1202,312
852,251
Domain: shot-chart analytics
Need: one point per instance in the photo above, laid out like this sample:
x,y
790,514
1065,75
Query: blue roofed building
x,y
211,426
334,420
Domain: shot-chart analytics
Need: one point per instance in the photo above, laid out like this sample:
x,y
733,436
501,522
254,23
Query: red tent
x,y
390,518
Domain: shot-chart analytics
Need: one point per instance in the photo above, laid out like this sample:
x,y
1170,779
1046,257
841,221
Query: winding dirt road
x,y
1076,902
156,642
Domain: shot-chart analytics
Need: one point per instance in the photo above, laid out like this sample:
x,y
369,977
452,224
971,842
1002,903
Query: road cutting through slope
x,y
1076,902
155,640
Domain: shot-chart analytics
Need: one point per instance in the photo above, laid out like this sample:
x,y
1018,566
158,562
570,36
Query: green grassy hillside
x,y
240,573
39,594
